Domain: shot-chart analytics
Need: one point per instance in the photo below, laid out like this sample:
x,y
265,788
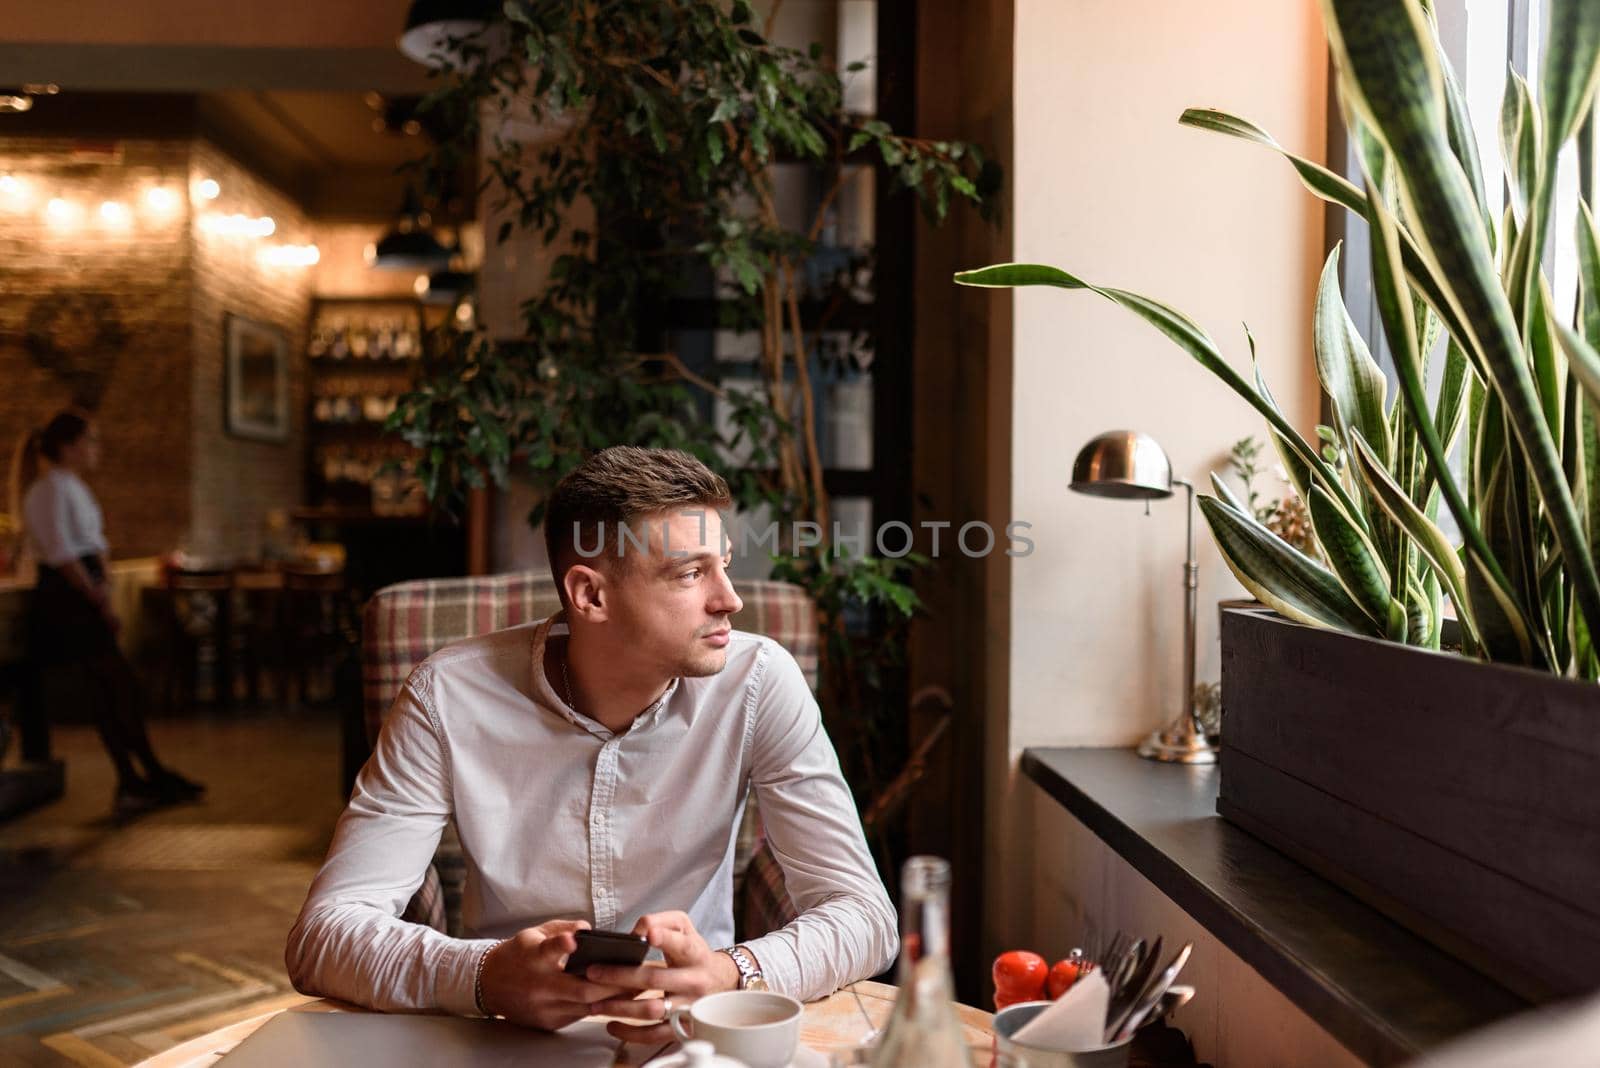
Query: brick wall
x,y
108,304
237,481
123,310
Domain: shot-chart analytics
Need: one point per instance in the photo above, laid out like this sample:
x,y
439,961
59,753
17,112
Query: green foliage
x,y
1462,301
663,121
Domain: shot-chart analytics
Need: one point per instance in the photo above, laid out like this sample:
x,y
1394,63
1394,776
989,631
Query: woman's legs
x,y
70,643
70,634
121,712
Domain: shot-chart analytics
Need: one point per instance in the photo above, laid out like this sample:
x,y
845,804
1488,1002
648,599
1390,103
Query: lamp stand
x,y
1182,741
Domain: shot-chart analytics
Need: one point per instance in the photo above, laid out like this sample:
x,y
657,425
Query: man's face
x,y
673,602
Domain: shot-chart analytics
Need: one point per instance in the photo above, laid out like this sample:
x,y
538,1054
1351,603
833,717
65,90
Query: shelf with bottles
x,y
342,401
357,462
356,335
378,474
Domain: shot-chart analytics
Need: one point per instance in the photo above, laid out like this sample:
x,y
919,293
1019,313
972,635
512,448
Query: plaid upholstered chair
x,y
404,624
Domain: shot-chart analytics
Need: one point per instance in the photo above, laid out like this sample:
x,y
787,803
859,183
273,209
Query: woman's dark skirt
x,y
64,625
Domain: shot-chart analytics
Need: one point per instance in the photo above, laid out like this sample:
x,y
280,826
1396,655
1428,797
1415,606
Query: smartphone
x,y
606,947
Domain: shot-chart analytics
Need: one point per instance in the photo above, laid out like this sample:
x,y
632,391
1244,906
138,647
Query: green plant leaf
x,y
1400,329
1570,66
1588,427
1388,74
1231,499
1589,273
1549,375
1585,382
1449,413
1350,377
1177,327
1463,139
1517,145
1293,466
1335,189
1383,489
1280,576
1583,359
1431,589
1354,560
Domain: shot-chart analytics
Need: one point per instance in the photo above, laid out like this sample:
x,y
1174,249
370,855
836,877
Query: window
x,y
1483,39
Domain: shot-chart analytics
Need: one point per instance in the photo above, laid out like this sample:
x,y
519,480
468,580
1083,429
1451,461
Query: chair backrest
x,y
406,623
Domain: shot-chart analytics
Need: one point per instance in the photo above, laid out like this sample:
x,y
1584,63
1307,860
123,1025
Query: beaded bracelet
x,y
477,977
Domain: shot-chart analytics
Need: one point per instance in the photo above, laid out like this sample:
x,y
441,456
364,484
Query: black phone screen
x,y
606,947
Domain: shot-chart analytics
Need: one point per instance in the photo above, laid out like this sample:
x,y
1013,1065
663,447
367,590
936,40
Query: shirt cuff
x,y
776,957
457,977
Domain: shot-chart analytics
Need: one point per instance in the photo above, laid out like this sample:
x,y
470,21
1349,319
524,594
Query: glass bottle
x,y
339,347
924,1030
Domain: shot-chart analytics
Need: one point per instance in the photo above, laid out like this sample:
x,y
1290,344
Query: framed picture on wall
x,y
255,379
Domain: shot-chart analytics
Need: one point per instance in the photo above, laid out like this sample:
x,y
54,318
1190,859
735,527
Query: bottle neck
x,y
925,944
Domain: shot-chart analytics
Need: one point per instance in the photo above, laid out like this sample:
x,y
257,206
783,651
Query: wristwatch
x,y
750,977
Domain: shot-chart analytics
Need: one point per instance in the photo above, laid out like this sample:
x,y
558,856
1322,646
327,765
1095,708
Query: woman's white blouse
x,y
62,518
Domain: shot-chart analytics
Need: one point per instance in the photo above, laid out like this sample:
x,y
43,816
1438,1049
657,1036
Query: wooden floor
x,y
120,940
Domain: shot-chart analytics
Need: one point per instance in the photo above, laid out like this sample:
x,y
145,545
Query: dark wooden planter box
x,y
1461,798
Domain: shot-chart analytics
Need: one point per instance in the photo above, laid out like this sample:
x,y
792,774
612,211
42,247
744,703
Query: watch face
x,y
756,983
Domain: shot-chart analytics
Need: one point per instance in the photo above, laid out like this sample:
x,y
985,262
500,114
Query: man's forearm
x,y
360,954
837,942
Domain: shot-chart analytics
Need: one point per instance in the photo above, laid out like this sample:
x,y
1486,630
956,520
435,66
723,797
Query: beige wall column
x,y
1110,187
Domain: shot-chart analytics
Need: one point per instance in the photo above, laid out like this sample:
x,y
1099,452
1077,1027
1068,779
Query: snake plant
x,y
1463,304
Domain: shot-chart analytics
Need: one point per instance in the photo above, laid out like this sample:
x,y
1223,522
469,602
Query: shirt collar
x,y
548,694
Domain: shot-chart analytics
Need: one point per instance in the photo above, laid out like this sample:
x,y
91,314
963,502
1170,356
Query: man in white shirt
x,y
596,765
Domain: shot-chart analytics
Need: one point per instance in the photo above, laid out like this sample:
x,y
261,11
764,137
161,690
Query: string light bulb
x,y
115,213
160,198
62,212
237,225
14,189
291,255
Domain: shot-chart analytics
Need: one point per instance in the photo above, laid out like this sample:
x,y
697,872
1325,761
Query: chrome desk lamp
x,y
1131,466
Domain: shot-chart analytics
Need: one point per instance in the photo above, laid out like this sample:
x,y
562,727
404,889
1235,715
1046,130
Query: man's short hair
x,y
617,487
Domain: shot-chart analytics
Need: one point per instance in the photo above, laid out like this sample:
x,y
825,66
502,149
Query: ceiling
x,y
332,151
286,86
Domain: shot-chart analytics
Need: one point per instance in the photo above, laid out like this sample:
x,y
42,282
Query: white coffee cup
x,y
758,1027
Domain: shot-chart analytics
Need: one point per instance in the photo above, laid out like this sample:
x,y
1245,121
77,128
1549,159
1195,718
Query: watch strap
x,y
750,977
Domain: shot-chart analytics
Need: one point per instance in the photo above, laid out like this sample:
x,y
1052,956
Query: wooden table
x,y
832,1023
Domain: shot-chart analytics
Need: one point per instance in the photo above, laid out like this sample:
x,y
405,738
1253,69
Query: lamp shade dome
x,y
1123,463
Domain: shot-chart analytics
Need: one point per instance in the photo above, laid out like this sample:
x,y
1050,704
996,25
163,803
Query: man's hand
x,y
523,981
693,969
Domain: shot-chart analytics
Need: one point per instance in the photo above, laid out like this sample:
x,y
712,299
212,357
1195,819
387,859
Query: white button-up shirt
x,y
62,519
559,818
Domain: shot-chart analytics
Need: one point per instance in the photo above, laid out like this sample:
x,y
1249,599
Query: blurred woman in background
x,y
73,623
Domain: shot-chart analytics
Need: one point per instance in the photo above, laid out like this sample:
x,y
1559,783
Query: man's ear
x,y
587,595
